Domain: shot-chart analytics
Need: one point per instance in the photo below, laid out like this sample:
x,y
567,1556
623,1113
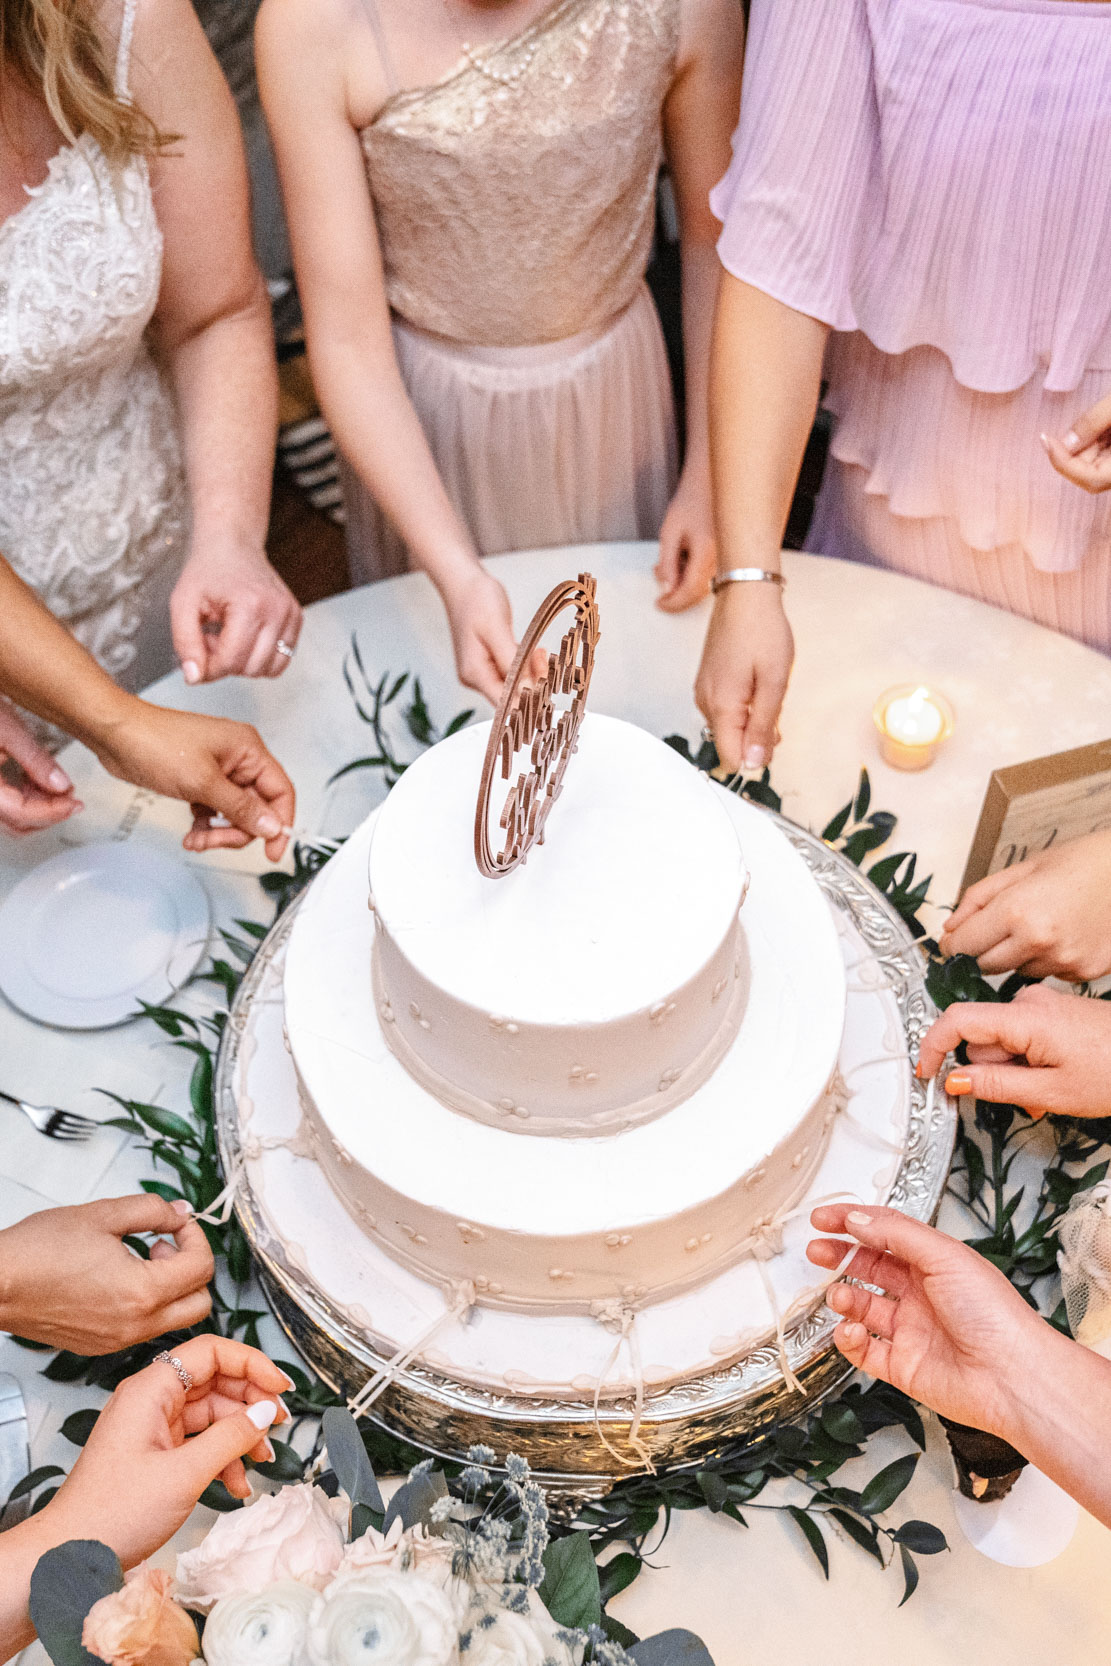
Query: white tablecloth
x,y
1019,692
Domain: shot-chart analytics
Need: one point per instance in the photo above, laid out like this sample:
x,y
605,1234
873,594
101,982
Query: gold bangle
x,y
746,575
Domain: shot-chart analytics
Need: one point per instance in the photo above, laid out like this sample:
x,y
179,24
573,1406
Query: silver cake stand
x,y
683,1424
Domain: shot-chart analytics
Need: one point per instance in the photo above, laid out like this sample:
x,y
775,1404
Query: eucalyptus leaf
x,y
570,1589
412,1503
672,1648
348,1457
618,1633
78,1426
65,1584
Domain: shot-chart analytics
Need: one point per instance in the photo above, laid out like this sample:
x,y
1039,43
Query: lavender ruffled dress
x,y
932,178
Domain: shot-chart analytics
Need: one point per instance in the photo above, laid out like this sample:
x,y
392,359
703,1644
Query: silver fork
x,y
55,1124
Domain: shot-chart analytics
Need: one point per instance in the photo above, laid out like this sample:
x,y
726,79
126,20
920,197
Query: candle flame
x,y
918,700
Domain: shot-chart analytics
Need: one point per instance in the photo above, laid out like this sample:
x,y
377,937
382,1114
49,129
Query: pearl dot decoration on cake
x,y
469,1233
560,1275
387,1013
754,1178
581,1077
661,1011
669,1079
618,1240
799,1160
718,990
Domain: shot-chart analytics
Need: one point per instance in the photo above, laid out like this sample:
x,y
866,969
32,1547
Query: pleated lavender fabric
x,y
932,178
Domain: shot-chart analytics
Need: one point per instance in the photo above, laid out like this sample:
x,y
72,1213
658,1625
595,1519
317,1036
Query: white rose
x,y
296,1533
415,1550
503,1637
260,1628
379,1617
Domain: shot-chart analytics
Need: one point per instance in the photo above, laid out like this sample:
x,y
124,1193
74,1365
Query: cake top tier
x,y
635,888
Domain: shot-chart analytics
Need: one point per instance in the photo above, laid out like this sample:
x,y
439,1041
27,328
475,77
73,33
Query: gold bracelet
x,y
746,575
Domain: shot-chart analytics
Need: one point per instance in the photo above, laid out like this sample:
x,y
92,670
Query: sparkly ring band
x,y
176,1367
284,648
707,734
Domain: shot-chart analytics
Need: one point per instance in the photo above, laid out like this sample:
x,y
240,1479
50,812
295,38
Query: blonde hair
x,y
56,48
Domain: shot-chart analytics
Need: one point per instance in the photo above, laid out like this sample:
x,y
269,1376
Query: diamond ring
x,y
284,648
176,1367
707,734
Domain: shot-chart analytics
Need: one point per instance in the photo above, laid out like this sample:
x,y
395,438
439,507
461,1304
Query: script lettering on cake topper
x,y
528,717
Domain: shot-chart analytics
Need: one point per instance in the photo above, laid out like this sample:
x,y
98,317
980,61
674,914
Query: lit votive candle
x,y
912,723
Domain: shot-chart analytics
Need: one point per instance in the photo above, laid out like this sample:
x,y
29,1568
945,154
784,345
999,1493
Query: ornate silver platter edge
x,y
684,1424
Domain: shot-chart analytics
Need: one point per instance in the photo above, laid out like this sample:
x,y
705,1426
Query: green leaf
x,y
618,1633
217,1497
864,1534
921,1536
167,1123
78,1426
412,1503
65,1584
570,1589
288,1465
618,1574
396,689
863,796
910,1574
459,721
713,1489
377,762
883,1489
812,1533
833,830
348,1458
842,1424
200,1086
672,1648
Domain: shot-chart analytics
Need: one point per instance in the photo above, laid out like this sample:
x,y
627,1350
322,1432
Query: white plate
x,y
91,933
1031,1526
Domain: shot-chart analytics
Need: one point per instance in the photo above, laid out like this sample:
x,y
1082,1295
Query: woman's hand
x,y
950,1330
35,792
1046,1051
746,663
1049,916
1084,455
216,766
229,611
68,1279
688,546
481,630
156,1446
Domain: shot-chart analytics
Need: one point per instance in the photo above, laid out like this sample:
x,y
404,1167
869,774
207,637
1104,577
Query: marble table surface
x,y
1019,692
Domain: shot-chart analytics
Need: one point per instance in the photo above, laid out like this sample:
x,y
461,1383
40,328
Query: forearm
x,y
20,1549
765,379
701,279
375,426
225,382
44,669
1059,1417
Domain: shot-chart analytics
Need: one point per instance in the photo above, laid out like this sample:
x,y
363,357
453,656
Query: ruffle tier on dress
x,y
929,178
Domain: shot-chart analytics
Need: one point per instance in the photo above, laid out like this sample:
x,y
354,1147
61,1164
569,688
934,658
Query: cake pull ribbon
x,y
464,1298
618,1316
219,1211
1084,1260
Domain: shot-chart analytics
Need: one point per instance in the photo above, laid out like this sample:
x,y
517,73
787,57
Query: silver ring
x,y
284,648
176,1367
707,734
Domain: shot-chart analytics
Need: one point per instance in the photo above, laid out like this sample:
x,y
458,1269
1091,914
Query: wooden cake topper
x,y
528,717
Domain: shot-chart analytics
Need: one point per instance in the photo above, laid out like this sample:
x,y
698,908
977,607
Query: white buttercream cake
x,y
607,1001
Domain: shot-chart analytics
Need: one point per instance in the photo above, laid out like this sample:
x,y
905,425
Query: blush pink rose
x,y
141,1625
297,1533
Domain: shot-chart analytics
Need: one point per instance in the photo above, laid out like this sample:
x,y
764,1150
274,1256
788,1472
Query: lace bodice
x,y
91,485
516,198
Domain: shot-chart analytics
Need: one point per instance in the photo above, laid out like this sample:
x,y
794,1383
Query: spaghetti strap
x,y
123,51
377,29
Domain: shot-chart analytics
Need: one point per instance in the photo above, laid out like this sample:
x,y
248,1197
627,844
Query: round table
x,y
1019,692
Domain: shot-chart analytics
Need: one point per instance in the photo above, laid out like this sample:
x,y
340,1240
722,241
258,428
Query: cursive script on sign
x,y
541,719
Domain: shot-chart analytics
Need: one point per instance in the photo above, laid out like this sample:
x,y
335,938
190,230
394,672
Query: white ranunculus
x,y
260,1628
505,1638
296,1533
414,1550
380,1617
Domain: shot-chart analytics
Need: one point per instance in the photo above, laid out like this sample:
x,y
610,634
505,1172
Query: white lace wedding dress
x,y
93,510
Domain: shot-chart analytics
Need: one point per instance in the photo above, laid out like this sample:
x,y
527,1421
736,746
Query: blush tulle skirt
x,y
571,442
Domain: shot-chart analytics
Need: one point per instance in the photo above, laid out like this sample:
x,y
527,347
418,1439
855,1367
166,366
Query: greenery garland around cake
x,y
602,1550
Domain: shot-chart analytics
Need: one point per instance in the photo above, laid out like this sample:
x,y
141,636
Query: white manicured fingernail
x,y
856,1218
270,1452
1045,440
262,1413
191,671
59,781
1072,440
754,757
269,826
181,1206
289,1382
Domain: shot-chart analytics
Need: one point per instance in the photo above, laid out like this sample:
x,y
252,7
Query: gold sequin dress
x,y
515,202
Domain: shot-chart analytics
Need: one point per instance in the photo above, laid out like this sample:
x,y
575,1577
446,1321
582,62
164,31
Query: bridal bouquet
x,y
328,1575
